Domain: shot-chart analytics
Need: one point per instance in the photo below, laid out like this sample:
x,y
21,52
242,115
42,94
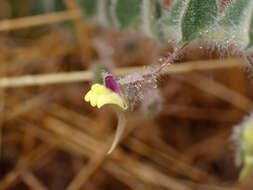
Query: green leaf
x,y
175,13
198,16
108,11
98,69
237,23
88,7
235,13
152,12
59,5
171,23
46,6
250,32
128,13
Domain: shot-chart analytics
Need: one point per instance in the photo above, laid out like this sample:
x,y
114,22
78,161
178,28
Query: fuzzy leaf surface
x,y
238,22
250,31
156,13
175,13
88,7
151,15
235,13
198,16
128,13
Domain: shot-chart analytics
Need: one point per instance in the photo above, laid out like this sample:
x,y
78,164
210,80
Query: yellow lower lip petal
x,y
93,100
110,98
87,96
99,96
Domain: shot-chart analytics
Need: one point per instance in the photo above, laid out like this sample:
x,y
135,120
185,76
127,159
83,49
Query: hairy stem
x,y
166,63
171,58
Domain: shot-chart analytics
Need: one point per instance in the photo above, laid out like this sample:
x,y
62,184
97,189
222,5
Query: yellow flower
x,y
99,95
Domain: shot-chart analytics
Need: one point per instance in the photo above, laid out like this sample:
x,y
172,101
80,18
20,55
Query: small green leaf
x,y
98,69
250,32
152,12
198,16
235,13
175,13
236,23
59,5
128,13
46,6
108,11
171,22
88,7
155,15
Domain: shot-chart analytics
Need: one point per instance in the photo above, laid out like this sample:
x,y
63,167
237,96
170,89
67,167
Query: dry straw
x,y
83,76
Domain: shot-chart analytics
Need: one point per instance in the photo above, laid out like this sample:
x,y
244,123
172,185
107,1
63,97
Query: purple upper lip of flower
x,y
111,84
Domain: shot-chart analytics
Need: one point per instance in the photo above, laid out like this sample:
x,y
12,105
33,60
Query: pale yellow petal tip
x,y
87,96
99,96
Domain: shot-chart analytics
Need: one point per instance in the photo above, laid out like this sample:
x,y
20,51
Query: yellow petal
x,y
93,99
87,96
99,89
99,95
111,98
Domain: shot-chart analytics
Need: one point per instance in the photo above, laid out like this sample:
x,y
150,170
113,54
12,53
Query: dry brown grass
x,y
52,139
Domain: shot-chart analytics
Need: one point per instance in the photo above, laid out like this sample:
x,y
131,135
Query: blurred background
x,y
52,140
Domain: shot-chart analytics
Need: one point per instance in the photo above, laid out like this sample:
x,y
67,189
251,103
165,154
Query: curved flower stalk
x,y
133,86
109,93
243,134
120,128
